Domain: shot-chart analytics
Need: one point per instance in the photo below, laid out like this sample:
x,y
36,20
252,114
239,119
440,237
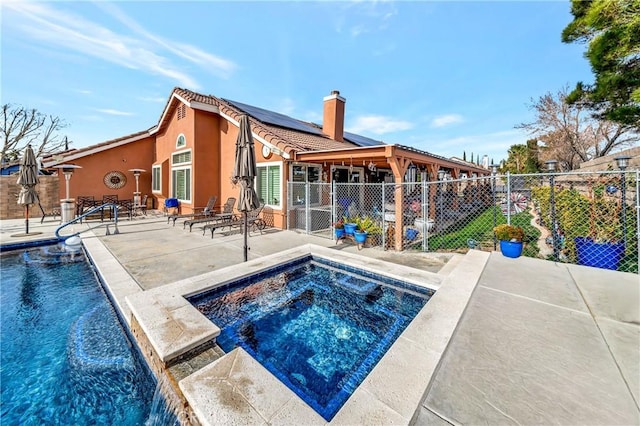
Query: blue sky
x,y
445,77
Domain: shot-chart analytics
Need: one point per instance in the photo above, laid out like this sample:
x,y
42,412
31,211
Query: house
x,y
189,155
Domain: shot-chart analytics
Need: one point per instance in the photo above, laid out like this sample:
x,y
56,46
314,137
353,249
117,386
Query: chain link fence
x,y
584,218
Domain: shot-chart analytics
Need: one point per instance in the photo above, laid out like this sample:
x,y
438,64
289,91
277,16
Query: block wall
x,y
48,190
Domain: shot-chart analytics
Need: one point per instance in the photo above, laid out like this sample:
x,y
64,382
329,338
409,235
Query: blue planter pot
x,y
360,237
339,232
510,248
598,255
411,234
349,228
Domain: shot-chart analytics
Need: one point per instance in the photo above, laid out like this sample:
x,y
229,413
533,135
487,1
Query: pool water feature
x,y
316,325
65,357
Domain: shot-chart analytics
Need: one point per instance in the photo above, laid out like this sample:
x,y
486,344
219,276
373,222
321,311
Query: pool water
x,y
65,358
317,327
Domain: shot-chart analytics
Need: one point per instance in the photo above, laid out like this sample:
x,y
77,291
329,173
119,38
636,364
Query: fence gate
x,y
309,208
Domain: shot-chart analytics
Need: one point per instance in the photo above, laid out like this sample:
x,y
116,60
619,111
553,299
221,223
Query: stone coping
x,y
391,393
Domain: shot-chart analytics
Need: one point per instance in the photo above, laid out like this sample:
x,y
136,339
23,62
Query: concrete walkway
x,y
539,342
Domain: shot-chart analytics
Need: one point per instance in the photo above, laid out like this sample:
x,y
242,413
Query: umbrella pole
x,y
245,236
26,220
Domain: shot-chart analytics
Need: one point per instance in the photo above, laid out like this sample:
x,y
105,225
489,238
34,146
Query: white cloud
x,y
111,111
494,144
357,30
378,125
445,120
149,53
157,99
84,91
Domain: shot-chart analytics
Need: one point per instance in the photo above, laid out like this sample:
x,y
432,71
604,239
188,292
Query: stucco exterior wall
x,y
47,191
206,158
165,147
89,180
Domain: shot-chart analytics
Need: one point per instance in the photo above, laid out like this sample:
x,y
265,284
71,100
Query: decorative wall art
x,y
115,180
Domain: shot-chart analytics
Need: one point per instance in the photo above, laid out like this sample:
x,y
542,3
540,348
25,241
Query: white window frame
x,y
190,183
181,135
173,154
267,165
182,166
159,180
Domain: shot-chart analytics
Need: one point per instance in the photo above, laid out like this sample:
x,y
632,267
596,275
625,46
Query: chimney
x,y
333,117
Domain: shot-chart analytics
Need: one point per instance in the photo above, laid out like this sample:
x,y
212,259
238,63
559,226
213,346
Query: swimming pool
x,y
65,357
316,325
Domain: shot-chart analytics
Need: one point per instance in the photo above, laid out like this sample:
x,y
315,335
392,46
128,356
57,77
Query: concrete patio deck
x,y
539,342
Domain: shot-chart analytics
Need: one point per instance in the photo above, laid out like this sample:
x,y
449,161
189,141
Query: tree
x,y
533,163
571,135
464,155
21,126
519,160
611,28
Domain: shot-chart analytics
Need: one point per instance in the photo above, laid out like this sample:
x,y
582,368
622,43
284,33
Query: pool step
x,y
97,345
54,254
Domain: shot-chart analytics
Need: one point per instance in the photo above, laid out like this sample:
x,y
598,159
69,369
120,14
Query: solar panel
x,y
361,140
275,118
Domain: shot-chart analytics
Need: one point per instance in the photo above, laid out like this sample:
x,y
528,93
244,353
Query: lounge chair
x,y
225,215
199,212
253,220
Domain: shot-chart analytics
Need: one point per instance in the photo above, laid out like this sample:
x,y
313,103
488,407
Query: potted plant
x,y
510,239
339,228
603,246
360,233
349,225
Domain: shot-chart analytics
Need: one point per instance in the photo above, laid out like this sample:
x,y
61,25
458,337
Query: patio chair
x,y
226,214
142,207
199,212
253,220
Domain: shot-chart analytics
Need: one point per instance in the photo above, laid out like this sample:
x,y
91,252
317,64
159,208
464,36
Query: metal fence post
x,y
384,231
638,217
307,210
333,208
551,167
493,196
509,197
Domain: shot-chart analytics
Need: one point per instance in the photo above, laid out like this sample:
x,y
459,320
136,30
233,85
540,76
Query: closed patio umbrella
x,y
245,173
28,179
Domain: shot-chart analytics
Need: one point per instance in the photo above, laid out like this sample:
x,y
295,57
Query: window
x,y
181,141
181,176
156,178
181,158
268,184
181,184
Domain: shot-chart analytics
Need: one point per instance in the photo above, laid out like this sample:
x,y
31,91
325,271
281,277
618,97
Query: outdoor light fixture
x,y
136,195
623,163
494,172
551,168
